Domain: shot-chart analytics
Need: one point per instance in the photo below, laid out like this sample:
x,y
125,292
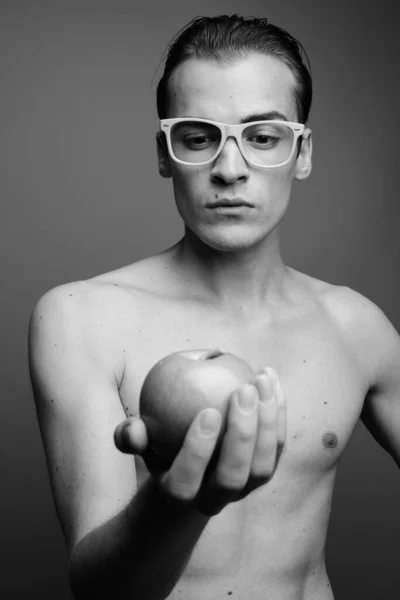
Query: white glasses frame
x,y
228,131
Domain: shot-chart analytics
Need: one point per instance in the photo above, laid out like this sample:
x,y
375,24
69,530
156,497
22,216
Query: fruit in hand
x,y
182,384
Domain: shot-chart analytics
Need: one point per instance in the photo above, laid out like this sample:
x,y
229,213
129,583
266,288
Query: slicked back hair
x,y
227,37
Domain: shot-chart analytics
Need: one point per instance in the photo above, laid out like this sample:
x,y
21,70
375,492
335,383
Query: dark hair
x,y
225,36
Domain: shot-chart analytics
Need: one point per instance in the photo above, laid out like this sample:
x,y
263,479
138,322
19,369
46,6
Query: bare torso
x,y
270,545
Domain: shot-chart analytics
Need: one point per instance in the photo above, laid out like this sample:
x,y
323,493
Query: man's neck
x,y
240,282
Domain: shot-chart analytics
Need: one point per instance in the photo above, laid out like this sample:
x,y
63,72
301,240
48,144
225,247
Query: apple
x,y
182,384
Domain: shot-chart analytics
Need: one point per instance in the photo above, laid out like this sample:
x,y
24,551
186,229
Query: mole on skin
x,y
329,440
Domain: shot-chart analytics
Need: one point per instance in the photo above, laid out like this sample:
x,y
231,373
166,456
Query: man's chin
x,y
228,239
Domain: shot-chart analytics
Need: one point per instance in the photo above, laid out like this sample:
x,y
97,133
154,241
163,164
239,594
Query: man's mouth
x,y
229,202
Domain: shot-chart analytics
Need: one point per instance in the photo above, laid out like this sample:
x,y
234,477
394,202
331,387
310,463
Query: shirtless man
x,y
241,529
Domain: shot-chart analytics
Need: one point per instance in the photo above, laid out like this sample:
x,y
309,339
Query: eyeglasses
x,y
263,144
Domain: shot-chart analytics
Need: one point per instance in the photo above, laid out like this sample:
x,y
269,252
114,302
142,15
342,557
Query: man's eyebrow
x,y
268,116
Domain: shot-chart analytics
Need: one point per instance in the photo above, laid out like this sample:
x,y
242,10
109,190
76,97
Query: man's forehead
x,y
233,89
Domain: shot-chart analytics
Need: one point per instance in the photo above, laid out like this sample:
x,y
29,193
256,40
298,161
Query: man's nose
x,y
230,165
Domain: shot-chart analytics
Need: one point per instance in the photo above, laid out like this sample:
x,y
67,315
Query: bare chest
x,y
319,373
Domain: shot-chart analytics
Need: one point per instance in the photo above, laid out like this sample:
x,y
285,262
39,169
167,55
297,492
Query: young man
x,y
233,103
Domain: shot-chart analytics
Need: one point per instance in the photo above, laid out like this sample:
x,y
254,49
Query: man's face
x,y
228,93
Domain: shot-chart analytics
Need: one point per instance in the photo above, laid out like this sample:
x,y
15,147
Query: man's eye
x,y
197,141
263,138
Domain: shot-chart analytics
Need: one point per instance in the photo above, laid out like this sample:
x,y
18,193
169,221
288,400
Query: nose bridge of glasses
x,y
231,152
232,132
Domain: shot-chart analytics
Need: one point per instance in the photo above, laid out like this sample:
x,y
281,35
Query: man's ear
x,y
304,162
164,165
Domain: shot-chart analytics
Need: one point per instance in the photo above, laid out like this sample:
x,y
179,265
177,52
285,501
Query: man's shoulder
x,y
364,327
347,307
81,324
112,298
111,301
353,311
84,301
357,317
152,276
99,314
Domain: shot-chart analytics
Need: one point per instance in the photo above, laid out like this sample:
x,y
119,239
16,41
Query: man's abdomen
x,y
264,547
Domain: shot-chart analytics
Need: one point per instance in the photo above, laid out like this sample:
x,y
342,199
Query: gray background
x,y
80,195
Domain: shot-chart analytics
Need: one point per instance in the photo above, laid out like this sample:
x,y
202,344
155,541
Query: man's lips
x,y
229,202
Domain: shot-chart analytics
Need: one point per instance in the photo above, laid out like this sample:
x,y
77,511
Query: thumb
x,y
130,436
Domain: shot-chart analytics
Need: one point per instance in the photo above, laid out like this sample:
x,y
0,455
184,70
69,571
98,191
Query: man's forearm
x,y
140,553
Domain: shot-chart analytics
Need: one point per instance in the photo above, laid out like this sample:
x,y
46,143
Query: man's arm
x,y
124,542
375,345
381,410
119,541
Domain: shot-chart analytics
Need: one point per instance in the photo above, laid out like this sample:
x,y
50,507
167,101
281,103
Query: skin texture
x,y
254,525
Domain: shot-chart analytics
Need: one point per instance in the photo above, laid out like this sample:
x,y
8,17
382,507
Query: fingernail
x,y
265,387
210,421
266,379
270,372
247,399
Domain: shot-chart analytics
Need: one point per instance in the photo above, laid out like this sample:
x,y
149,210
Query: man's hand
x,y
246,459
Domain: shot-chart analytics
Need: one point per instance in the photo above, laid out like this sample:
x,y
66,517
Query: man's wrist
x,y
154,497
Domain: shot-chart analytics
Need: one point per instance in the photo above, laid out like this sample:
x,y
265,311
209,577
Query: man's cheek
x,y
272,195
192,185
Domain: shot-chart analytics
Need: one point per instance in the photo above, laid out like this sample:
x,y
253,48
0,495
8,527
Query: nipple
x,y
329,440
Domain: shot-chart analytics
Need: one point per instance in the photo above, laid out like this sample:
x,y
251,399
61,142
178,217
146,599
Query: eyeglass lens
x,y
265,144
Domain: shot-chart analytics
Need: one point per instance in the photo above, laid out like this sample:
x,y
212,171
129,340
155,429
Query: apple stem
x,y
214,354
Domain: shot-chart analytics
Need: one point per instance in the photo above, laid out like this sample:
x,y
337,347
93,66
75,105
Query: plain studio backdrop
x,y
81,195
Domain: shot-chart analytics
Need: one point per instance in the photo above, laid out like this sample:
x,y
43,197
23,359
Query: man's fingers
x,y
266,446
281,401
234,463
130,436
185,476
155,463
247,456
232,469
